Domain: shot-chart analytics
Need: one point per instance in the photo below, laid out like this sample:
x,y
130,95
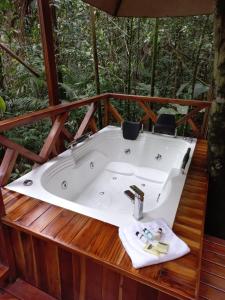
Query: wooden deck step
x,y
6,296
24,291
212,285
3,274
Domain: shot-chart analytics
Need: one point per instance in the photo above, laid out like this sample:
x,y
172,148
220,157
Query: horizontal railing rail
x,y
59,116
158,99
47,112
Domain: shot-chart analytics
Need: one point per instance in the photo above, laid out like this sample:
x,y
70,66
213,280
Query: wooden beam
x,y
2,207
144,118
86,120
21,150
92,125
61,108
53,136
189,115
117,116
194,127
7,165
47,39
159,100
106,112
7,252
47,112
67,135
148,111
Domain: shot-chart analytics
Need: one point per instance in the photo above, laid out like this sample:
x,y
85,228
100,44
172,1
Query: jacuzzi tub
x,y
91,178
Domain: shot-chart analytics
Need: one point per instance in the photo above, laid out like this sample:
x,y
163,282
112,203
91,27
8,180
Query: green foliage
x,y
2,105
125,53
185,90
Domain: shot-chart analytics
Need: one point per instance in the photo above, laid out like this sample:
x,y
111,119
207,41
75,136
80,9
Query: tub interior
x,y
96,173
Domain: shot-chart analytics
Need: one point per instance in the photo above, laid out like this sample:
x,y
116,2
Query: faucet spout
x,y
76,141
138,202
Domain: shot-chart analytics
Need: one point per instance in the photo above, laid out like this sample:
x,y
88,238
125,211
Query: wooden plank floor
x,y
6,296
21,290
3,274
100,241
212,286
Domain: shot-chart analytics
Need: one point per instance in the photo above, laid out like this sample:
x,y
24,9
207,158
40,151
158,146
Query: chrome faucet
x,y
138,202
74,142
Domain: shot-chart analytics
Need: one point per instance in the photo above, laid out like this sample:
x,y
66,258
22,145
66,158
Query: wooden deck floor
x,y
21,290
212,285
99,241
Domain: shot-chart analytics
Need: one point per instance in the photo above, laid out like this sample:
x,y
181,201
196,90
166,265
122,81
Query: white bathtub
x,y
91,178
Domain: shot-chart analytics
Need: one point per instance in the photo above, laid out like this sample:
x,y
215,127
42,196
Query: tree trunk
x,y
62,91
153,64
1,74
129,61
197,56
216,138
137,67
95,56
154,56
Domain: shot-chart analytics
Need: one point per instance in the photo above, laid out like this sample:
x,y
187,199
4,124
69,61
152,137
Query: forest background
x,y
166,57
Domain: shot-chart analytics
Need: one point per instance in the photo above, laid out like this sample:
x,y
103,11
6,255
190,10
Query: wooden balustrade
x,y
88,117
60,114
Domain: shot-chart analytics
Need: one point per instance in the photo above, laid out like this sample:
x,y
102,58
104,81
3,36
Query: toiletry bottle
x,y
142,237
148,234
158,234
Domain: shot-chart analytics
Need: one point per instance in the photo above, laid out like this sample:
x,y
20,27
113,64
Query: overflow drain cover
x,y
28,182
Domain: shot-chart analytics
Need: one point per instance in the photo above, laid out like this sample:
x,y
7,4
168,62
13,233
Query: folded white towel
x,y
134,246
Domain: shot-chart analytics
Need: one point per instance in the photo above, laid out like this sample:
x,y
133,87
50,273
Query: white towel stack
x,y
134,246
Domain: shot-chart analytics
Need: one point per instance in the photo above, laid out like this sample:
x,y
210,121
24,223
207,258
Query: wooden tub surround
x,y
71,256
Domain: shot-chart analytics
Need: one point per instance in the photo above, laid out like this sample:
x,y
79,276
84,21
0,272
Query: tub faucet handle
x,y
137,191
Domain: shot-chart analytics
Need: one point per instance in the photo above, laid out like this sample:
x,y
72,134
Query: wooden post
x,y
7,165
2,206
106,112
48,50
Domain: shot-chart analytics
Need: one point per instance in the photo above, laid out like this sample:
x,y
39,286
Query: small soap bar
x,y
151,249
162,247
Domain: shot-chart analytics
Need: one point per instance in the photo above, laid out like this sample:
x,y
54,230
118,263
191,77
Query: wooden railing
x,y
59,114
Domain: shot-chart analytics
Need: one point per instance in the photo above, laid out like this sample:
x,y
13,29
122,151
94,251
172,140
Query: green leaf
x,y
2,105
200,89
